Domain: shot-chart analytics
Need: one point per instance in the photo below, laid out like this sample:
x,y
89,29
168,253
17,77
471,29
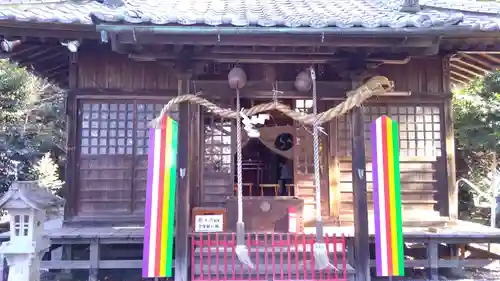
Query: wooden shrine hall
x,y
121,62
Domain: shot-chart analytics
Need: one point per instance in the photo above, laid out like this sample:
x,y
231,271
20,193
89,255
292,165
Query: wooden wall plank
x,y
418,75
103,70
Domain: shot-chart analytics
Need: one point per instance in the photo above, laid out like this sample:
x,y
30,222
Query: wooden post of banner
x,y
361,235
183,187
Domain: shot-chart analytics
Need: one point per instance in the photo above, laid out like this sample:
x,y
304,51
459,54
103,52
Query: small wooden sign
x,y
209,219
209,223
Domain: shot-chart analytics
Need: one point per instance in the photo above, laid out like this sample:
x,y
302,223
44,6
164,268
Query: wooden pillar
x,y
361,235
183,185
333,171
94,260
71,109
449,143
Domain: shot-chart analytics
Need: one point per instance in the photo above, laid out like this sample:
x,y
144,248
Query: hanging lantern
x,y
237,78
303,82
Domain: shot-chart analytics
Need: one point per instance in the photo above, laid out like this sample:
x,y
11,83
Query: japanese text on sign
x,y
208,223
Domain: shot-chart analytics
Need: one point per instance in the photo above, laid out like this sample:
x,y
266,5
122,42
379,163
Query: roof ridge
x,y
32,2
367,14
484,7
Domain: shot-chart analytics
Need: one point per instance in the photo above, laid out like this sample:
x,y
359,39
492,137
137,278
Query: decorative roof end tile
x,y
113,3
409,6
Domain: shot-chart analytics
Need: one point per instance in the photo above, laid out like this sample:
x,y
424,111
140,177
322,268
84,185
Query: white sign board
x,y
208,223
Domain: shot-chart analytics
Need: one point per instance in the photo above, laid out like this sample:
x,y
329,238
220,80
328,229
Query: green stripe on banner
x,y
173,185
397,192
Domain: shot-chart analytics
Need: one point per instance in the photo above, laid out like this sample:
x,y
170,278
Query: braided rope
x,y
317,177
239,159
377,85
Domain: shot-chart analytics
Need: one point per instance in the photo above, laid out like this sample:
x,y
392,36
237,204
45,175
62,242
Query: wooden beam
x,y
461,75
263,89
54,70
485,52
41,51
49,30
46,58
268,58
491,58
27,49
458,81
461,60
464,69
306,50
270,40
360,200
120,93
242,58
478,60
183,207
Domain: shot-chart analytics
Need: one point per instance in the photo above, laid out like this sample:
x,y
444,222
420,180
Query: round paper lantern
x,y
237,78
303,82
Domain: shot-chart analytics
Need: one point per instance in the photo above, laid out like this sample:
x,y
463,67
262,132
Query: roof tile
x,y
266,13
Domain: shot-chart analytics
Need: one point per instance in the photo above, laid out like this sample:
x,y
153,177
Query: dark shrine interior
x,y
262,167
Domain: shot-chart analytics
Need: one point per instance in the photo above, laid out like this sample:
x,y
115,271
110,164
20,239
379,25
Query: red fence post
x,y
225,256
344,267
304,254
193,246
209,255
282,277
266,257
288,240
249,245
257,254
313,265
201,257
233,253
328,241
217,255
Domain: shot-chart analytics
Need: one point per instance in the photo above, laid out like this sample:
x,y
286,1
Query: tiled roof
x,y
470,6
291,13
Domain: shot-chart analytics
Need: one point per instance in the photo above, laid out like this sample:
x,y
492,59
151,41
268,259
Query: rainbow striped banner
x,y
387,197
160,200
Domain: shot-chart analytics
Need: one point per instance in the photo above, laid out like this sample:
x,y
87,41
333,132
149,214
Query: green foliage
x,y
31,122
477,115
477,133
47,173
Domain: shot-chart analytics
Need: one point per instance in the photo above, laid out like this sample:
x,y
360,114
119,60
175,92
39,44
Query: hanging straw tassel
x,y
321,259
241,248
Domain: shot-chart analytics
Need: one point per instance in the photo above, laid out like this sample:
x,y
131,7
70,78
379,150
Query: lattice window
x,y
419,129
218,154
108,128
17,225
144,114
21,225
114,140
303,106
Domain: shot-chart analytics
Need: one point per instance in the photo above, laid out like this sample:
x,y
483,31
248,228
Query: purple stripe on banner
x,y
149,199
376,206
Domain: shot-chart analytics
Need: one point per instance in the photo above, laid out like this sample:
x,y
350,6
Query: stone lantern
x,y
28,206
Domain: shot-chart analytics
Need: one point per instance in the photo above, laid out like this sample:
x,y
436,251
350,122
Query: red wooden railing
x,y
287,256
